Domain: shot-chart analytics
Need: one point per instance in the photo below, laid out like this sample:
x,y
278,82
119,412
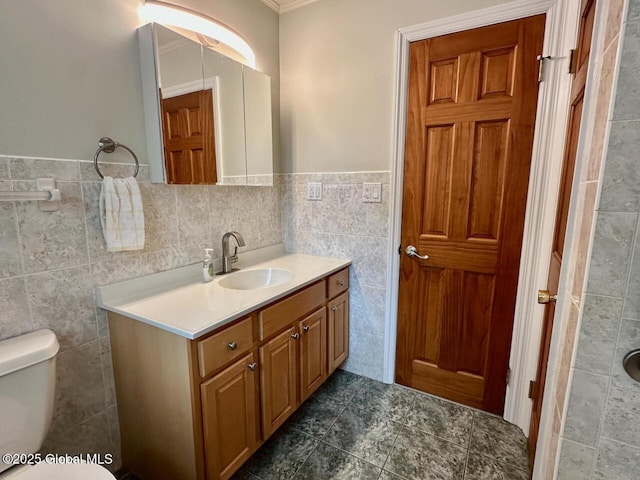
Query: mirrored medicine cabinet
x,y
207,116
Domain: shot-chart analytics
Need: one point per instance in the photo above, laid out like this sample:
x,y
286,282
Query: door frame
x,y
549,142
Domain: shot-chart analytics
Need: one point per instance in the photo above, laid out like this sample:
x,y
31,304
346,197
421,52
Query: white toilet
x,y
27,385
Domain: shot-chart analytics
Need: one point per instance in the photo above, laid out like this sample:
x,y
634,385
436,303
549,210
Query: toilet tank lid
x,y
26,350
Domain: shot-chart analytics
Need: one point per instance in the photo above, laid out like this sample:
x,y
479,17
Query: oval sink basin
x,y
256,278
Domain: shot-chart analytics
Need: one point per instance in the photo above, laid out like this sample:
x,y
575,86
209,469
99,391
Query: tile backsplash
x,y
51,262
342,225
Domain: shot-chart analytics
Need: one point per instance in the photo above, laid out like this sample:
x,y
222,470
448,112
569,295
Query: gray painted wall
x,y
70,72
337,79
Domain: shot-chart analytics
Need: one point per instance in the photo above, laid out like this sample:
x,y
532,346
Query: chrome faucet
x,y
227,257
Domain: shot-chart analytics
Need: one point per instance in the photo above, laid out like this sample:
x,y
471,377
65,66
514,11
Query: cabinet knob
x,y
252,366
341,283
295,335
306,328
333,309
232,346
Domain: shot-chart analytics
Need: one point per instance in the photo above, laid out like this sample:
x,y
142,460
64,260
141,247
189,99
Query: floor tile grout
x,y
320,439
466,460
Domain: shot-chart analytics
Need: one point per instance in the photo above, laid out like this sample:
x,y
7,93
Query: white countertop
x,y
178,301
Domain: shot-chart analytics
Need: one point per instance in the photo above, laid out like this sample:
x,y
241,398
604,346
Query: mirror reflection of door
x,y
188,133
175,65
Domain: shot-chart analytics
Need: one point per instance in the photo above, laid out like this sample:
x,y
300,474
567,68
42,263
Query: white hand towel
x,y
121,214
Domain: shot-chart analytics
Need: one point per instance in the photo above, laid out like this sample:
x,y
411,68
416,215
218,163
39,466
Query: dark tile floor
x,y
360,429
356,428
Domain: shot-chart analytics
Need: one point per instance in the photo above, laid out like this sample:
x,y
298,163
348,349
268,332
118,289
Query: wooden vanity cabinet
x,y
278,380
313,352
198,409
231,417
338,331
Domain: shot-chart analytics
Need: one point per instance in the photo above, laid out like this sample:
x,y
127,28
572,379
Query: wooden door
x,y
313,352
470,124
338,331
187,128
581,59
231,419
278,379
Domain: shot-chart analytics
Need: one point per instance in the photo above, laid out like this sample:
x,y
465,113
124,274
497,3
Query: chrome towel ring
x,y
105,144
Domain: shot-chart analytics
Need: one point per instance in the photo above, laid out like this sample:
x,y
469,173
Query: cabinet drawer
x,y
338,283
276,317
225,346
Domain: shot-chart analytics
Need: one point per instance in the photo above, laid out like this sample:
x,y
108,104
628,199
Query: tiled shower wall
x,y
601,434
602,67
341,225
51,262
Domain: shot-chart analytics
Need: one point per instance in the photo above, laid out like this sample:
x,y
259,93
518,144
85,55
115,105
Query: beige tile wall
x,y
51,262
599,263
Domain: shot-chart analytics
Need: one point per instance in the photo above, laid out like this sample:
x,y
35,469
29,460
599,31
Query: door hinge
x,y
573,60
532,388
508,375
541,60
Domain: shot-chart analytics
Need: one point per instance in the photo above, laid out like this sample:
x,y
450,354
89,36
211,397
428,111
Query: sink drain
x,y
631,364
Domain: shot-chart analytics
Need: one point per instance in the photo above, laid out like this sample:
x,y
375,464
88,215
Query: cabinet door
x,y
231,418
313,352
278,379
338,331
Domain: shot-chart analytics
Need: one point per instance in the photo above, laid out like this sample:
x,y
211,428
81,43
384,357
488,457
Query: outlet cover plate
x,y
372,193
314,191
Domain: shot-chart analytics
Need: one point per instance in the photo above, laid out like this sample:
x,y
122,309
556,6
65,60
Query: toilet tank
x,y
27,382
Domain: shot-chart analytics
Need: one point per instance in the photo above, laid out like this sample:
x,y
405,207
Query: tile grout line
x,y
306,458
617,343
349,453
89,259
23,264
466,460
395,440
320,439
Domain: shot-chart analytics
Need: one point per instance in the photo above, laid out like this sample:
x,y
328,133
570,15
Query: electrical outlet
x,y
314,191
372,192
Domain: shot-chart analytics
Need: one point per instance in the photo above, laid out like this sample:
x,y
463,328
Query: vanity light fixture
x,y
175,16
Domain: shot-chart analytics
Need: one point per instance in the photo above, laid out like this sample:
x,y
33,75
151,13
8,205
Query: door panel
x,y
471,114
188,138
487,179
438,179
585,33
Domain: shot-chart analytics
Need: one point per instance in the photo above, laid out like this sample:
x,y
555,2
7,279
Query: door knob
x,y
306,328
232,346
413,252
252,366
295,335
545,297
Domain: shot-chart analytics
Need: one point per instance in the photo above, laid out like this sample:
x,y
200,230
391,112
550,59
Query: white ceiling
x,y
282,6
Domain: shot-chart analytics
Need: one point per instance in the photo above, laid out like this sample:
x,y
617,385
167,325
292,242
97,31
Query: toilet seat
x,y
58,471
